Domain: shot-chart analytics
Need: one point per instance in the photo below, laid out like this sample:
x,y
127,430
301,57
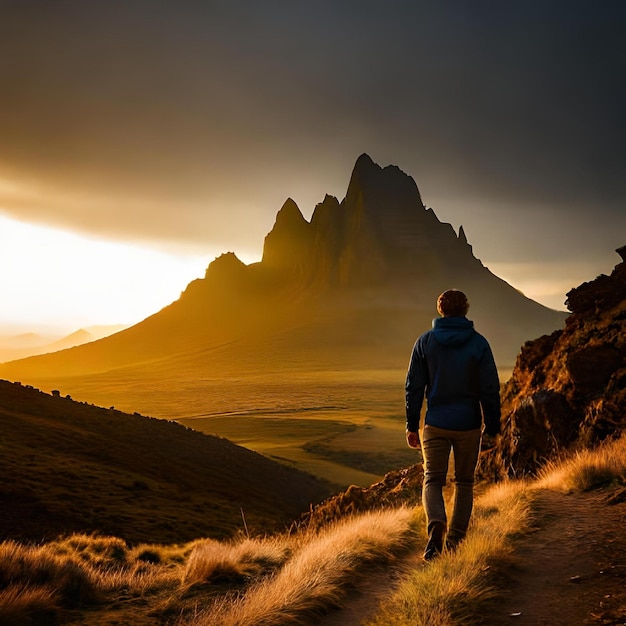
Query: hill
x,y
70,467
309,346
568,389
13,347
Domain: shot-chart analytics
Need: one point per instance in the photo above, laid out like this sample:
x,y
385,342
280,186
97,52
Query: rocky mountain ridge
x,y
379,248
568,389
380,232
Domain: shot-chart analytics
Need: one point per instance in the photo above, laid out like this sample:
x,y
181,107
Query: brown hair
x,y
452,303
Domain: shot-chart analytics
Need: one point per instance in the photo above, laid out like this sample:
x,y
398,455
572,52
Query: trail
x,y
375,588
571,569
568,570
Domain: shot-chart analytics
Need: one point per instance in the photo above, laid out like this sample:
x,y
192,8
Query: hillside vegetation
x,y
71,467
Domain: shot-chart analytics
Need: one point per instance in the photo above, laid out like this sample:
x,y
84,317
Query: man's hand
x,y
412,439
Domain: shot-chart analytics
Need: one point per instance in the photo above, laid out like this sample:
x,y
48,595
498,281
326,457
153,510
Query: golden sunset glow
x,y
60,281
180,137
283,324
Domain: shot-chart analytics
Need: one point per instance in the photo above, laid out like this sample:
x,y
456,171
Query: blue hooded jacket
x,y
454,367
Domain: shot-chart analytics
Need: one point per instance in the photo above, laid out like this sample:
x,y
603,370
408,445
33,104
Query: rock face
x,y
381,231
400,487
568,389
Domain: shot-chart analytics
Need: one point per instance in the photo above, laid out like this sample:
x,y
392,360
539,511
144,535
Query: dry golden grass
x,y
27,604
212,561
449,589
588,469
79,571
322,569
276,580
452,589
73,582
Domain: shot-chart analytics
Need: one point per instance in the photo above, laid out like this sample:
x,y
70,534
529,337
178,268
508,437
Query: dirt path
x,y
571,569
364,603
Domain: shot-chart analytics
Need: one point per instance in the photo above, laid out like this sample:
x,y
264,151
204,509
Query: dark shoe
x,y
453,540
434,547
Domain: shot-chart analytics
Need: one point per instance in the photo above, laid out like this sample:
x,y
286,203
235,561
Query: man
x,y
453,366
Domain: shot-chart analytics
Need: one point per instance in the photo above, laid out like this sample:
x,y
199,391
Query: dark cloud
x,y
158,119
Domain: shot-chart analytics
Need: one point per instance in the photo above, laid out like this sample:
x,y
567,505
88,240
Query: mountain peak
x,y
289,215
462,235
379,230
289,240
365,163
377,186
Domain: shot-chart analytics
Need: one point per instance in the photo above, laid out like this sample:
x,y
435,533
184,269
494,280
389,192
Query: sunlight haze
x,y
61,281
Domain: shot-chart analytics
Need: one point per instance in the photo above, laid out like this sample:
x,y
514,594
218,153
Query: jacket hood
x,y
452,331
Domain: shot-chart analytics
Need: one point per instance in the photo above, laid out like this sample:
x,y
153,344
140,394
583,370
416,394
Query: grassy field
x,y
340,445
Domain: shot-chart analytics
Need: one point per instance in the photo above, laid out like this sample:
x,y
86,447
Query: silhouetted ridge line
x,y
349,289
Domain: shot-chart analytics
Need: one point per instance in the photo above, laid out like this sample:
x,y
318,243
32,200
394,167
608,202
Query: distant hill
x,y
70,467
22,346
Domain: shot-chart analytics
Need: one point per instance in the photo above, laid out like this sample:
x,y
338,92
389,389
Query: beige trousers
x,y
437,443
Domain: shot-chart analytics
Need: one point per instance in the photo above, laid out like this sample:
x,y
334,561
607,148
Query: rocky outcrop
x,y
568,389
401,487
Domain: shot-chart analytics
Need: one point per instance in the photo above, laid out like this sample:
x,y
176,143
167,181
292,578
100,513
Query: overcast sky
x,y
183,126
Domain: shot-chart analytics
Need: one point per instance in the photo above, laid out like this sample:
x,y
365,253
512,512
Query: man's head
x,y
452,303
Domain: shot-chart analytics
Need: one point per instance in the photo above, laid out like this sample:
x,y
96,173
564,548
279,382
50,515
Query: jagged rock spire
x,y
380,231
462,235
289,240
381,186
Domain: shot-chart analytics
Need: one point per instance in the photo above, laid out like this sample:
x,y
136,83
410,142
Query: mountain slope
x,y
368,267
70,467
318,331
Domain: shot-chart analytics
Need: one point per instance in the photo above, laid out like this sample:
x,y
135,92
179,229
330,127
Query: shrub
x,y
20,604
